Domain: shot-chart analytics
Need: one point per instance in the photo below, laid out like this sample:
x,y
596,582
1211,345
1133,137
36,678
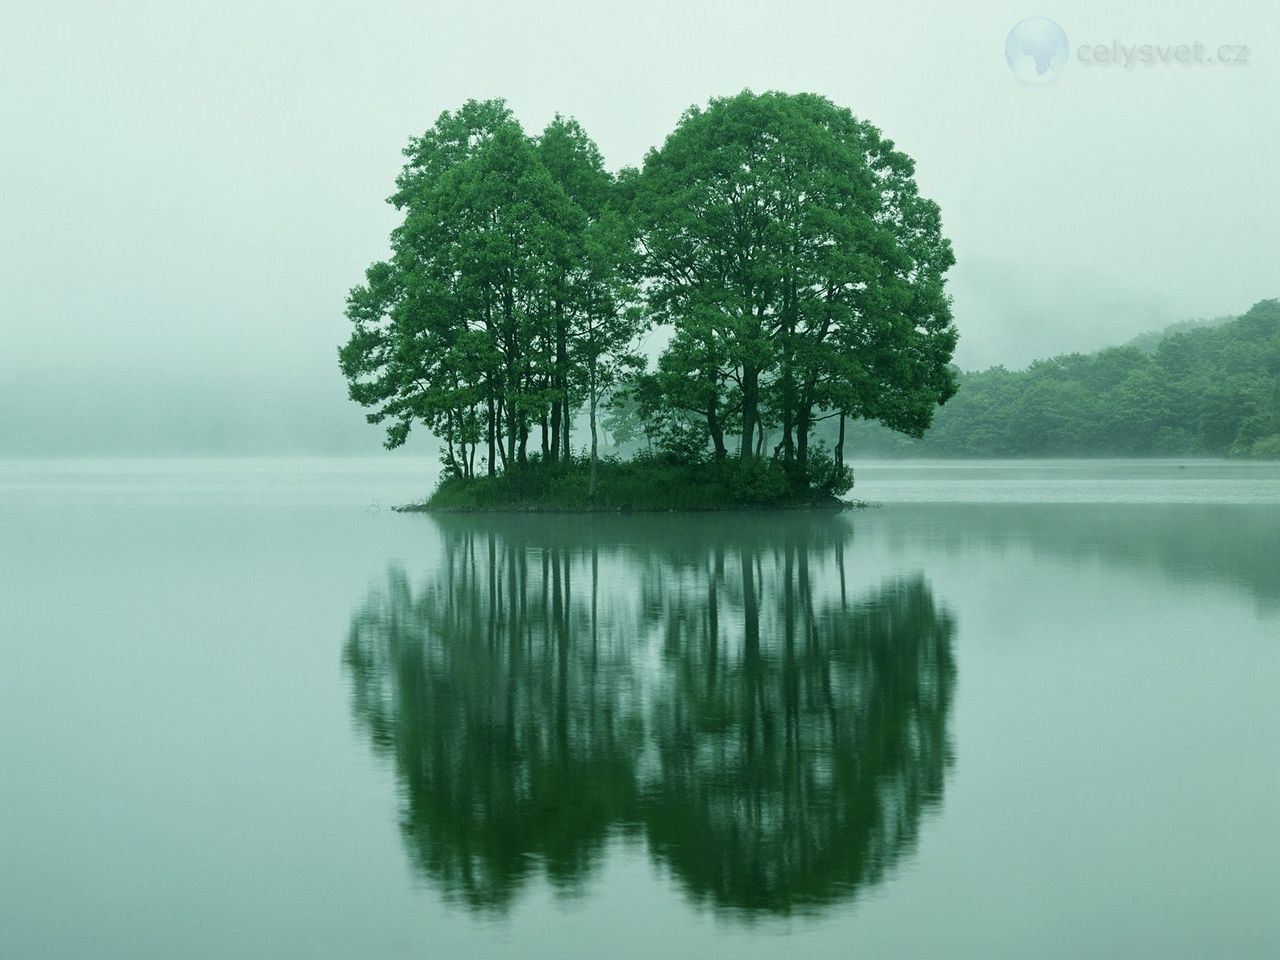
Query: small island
x,y
645,483
770,269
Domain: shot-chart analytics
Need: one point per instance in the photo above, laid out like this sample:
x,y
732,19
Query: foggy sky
x,y
188,190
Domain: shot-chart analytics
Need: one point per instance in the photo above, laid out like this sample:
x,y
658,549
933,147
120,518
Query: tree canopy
x,y
786,243
779,244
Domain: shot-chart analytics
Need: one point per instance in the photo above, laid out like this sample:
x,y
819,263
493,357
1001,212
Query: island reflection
x,y
710,687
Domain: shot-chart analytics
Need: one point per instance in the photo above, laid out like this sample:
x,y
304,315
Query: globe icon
x,y
1036,50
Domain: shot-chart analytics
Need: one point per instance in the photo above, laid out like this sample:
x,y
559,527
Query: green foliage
x,y
506,295
783,246
1149,342
1210,390
756,481
644,483
781,241
827,476
1267,448
786,244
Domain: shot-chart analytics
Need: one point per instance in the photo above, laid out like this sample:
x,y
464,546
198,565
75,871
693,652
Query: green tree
x,y
609,321
596,317
448,330
787,243
574,161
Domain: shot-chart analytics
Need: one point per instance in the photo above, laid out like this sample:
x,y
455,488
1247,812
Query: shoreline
x,y
839,507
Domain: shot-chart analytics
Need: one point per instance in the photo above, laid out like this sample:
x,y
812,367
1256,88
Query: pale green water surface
x,y
1021,709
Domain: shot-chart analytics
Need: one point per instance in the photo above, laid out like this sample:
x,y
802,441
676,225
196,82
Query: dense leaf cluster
x,y
777,242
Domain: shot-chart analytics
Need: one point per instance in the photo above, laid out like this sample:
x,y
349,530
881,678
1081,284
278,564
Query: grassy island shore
x,y
644,484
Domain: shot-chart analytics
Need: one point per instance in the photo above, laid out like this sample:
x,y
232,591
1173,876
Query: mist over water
x,y
189,193
1010,709
248,689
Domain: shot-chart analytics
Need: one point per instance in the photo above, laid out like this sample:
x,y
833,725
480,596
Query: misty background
x,y
188,191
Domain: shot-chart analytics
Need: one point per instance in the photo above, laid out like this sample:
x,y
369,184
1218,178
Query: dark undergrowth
x,y
646,483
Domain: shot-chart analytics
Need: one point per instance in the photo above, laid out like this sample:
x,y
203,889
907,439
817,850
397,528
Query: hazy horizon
x,y
189,193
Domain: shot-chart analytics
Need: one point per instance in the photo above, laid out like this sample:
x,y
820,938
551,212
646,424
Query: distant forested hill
x,y
1147,342
1208,389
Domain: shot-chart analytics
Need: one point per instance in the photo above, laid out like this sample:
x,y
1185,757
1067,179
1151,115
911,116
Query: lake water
x,y
1021,709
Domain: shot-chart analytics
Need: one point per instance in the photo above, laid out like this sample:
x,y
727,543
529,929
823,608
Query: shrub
x,y
653,481
821,478
1268,448
755,482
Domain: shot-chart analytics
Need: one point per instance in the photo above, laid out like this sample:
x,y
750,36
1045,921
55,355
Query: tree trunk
x,y
498,432
804,420
788,417
493,455
511,432
449,441
716,431
491,391
566,429
750,407
839,458
512,358
788,370
560,412
554,452
591,489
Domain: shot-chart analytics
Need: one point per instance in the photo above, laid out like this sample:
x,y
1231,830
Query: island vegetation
x,y
770,268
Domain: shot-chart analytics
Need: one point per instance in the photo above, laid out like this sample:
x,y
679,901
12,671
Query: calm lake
x,y
1019,709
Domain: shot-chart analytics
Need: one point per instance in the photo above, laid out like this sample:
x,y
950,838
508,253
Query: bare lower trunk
x,y
714,428
554,445
502,447
591,490
566,430
750,406
560,405
513,437
451,459
803,421
493,447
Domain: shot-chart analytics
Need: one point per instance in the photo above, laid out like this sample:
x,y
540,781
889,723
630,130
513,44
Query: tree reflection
x,y
774,739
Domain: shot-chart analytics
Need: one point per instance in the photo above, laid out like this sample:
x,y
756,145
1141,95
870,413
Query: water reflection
x,y
716,692
1232,544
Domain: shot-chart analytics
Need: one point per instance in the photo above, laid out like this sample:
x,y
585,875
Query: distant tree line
x,y
775,243
1199,391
